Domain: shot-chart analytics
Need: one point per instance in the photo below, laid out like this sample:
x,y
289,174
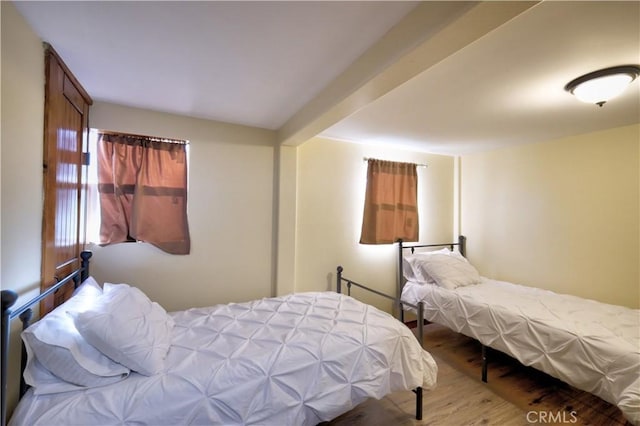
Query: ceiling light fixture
x,y
599,86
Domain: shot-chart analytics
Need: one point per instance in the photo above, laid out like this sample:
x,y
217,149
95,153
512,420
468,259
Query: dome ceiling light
x,y
599,86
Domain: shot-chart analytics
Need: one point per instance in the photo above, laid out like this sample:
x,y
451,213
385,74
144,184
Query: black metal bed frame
x,y
25,313
400,306
462,248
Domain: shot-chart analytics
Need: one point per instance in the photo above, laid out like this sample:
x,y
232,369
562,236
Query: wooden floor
x,y
514,395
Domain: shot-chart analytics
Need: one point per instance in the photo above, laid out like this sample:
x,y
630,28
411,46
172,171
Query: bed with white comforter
x,y
590,345
299,359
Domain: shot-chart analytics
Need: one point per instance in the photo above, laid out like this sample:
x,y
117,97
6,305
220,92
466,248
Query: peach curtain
x,y
391,203
142,183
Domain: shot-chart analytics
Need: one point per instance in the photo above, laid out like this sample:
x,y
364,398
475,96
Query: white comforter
x,y
293,360
590,345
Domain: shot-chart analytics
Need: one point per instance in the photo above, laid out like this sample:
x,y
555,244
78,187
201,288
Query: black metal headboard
x,y
400,280
25,313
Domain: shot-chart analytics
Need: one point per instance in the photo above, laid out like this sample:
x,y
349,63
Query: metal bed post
x,y
399,278
421,323
84,265
462,245
418,392
8,300
484,363
339,279
25,318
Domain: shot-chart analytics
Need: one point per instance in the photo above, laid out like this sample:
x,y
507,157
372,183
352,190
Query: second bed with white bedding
x,y
591,345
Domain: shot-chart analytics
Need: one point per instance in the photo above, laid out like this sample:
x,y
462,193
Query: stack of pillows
x,y
445,268
96,338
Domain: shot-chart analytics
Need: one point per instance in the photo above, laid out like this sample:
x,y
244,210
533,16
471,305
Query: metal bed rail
x,y
397,301
400,304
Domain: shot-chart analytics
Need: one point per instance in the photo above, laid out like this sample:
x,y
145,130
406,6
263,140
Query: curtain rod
x,y
152,138
417,165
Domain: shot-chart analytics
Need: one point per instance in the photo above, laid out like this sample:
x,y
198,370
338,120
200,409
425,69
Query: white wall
x,y
230,207
561,215
331,187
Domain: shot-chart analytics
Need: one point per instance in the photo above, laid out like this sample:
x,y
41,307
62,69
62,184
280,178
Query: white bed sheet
x,y
590,345
293,360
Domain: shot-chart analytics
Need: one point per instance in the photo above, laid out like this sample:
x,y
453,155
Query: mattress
x,y
590,345
298,359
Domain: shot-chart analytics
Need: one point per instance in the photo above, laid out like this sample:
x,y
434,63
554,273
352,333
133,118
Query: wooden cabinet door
x,y
65,135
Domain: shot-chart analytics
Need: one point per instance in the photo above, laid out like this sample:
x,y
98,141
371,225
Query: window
x,y
138,191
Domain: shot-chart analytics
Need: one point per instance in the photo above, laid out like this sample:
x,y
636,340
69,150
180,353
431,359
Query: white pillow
x,y
129,328
450,271
413,270
44,381
58,358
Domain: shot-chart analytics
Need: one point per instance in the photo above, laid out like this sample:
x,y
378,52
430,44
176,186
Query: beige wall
x,y
331,185
561,215
230,214
22,145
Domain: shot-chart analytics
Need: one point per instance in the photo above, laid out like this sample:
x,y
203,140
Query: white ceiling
x,y
508,87
428,76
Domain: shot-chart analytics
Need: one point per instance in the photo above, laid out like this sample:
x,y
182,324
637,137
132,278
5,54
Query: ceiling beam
x,y
427,35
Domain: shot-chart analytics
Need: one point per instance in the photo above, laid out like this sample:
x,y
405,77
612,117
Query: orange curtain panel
x,y
391,203
142,184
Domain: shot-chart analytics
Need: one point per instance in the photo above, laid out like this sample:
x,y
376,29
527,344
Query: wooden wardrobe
x,y
66,117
